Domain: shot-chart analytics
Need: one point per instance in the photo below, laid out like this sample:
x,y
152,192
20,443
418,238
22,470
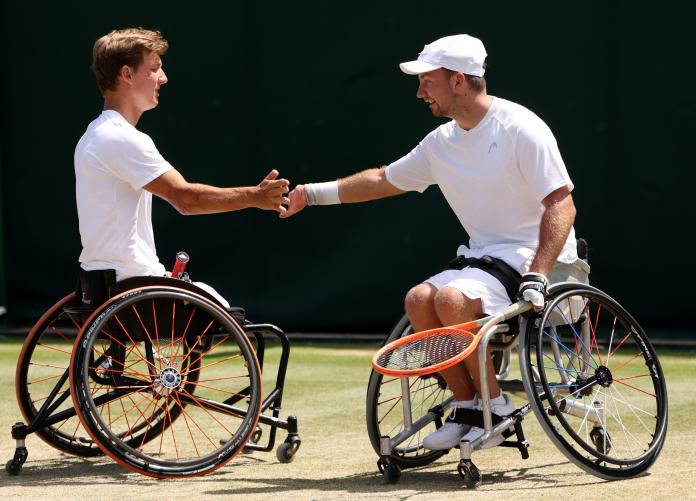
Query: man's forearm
x,y
556,224
370,184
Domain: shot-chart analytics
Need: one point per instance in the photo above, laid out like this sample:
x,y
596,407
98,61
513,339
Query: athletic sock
x,y
464,404
499,400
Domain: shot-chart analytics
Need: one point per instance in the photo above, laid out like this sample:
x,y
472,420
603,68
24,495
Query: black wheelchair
x,y
588,372
161,377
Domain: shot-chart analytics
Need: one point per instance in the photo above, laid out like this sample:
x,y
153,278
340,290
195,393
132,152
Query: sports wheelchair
x,y
161,377
588,372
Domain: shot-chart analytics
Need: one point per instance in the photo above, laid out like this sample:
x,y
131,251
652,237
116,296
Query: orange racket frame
x,y
511,311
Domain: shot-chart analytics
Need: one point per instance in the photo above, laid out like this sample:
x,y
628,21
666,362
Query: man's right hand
x,y
269,193
297,201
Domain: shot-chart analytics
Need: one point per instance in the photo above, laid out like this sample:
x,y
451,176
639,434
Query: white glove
x,y
533,289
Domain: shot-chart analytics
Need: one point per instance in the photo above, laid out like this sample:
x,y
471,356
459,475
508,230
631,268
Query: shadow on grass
x,y
417,481
439,478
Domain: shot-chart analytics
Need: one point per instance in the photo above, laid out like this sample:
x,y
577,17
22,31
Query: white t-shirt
x,y
113,161
494,177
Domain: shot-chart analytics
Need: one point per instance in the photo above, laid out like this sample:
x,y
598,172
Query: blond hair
x,y
125,47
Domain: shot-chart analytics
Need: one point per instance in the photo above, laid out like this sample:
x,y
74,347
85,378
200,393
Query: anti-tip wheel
x,y
286,451
469,473
390,471
13,467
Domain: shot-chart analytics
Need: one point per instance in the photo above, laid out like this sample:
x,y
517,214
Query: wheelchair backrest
x,y
578,272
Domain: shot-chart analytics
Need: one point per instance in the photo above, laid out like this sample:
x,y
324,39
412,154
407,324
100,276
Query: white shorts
x,y
474,284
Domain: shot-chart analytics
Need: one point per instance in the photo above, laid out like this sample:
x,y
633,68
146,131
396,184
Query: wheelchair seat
x,y
83,311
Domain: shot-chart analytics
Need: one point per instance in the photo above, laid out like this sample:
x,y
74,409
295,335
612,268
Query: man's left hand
x,y
533,289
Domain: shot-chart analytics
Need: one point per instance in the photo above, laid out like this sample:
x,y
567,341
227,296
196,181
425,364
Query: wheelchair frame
x,y
52,410
501,337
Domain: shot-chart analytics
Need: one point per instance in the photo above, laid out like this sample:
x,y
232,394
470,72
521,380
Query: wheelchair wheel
x,y
595,382
385,408
166,382
42,380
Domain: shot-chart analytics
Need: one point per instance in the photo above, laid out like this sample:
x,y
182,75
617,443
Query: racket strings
x,y
425,352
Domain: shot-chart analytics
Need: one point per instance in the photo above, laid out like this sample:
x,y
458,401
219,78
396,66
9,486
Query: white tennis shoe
x,y
499,409
451,432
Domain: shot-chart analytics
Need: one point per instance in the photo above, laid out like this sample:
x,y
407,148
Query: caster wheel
x,y
12,467
390,471
601,439
286,451
256,437
469,473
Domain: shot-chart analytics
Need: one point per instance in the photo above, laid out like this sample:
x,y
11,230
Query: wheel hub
x,y
603,376
170,378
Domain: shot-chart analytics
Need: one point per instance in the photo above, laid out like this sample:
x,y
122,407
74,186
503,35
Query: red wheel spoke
x,y
60,333
134,343
616,369
634,387
171,428
215,363
53,348
619,345
390,409
183,409
208,404
220,379
47,365
220,390
147,333
188,428
47,378
198,340
640,376
200,357
183,336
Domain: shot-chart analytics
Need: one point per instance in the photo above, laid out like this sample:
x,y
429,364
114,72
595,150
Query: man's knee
x,y
419,300
453,306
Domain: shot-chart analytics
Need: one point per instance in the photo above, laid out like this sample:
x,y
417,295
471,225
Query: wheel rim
x,y
43,362
601,381
192,394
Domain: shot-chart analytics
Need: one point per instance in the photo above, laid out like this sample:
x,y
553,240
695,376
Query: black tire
x,y
595,382
180,371
43,364
384,410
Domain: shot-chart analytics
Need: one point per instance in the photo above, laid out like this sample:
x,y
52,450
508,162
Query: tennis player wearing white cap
x,y
499,168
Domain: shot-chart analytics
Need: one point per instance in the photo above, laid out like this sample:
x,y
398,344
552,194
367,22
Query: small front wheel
x,y
391,472
469,473
286,451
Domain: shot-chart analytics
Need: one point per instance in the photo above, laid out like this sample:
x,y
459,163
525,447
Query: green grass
x,y
325,389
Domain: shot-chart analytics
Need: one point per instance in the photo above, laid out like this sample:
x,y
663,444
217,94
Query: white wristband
x,y
322,193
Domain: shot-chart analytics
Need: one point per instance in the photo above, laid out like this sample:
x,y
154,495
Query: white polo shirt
x,y
494,177
113,161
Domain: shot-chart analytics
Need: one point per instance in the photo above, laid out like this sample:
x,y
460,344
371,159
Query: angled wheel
x,y
385,415
595,382
159,375
385,408
41,381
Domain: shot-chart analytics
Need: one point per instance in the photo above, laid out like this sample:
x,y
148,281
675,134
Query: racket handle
x,y
180,264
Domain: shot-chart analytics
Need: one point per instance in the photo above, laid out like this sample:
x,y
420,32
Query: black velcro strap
x,y
93,286
499,269
471,416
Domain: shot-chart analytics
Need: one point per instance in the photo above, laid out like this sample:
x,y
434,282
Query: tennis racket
x,y
434,350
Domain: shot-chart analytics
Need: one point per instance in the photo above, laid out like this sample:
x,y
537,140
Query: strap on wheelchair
x,y
93,286
498,268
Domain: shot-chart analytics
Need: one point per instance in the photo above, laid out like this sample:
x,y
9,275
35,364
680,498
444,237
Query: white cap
x,y
461,53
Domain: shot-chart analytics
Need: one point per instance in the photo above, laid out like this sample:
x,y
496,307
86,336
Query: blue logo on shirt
x,y
492,147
